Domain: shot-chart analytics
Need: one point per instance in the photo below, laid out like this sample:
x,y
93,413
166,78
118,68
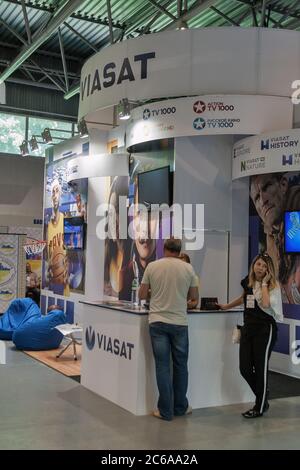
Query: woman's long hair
x,y
268,260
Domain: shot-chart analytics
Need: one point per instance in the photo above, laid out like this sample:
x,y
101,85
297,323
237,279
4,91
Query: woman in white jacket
x,y
262,309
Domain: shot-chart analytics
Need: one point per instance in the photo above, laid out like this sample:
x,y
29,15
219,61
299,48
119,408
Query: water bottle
x,y
135,283
134,292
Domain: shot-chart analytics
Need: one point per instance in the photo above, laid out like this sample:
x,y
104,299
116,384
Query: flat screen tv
x,y
154,187
292,232
74,233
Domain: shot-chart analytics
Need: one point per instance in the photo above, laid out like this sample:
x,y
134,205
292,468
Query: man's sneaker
x,y
189,410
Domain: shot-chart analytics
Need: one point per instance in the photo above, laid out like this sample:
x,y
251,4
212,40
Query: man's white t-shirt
x,y
169,280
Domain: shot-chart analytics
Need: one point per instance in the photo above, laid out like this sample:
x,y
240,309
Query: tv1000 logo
x,y
200,106
165,111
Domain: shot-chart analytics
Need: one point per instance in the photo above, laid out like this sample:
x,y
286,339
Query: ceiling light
x,y
124,109
24,148
82,128
182,25
33,144
46,135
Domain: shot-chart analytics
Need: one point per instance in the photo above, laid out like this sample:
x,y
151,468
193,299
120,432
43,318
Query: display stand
x,y
117,358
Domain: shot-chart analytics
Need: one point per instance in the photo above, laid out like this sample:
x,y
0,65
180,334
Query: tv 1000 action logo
x,y
201,106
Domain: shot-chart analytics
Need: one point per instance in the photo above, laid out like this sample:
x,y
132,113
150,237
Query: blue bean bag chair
x,y
40,334
19,312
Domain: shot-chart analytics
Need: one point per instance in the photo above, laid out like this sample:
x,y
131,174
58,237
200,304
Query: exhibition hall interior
x,y
149,225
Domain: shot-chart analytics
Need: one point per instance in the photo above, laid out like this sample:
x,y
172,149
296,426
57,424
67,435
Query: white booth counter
x,y
118,364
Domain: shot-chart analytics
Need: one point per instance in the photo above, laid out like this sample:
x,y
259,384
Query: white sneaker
x,y
189,410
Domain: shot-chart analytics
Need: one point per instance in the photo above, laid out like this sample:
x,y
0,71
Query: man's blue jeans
x,y
171,340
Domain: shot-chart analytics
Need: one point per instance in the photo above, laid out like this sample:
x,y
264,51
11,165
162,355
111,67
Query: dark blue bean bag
x,y
19,312
41,334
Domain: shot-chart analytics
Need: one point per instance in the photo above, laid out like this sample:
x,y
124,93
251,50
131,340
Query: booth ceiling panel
x,y
86,29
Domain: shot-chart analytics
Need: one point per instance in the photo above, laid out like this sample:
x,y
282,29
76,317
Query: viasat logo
x,y
199,107
146,114
199,124
90,338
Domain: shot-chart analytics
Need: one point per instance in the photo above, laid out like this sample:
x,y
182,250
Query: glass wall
x,y
15,129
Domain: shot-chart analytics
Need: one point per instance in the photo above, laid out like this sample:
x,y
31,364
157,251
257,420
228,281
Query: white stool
x,y
68,331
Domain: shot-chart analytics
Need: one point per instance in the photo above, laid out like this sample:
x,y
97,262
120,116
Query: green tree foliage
x,y
12,132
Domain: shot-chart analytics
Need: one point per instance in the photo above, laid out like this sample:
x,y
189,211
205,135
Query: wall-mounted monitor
x,y
74,233
292,232
154,187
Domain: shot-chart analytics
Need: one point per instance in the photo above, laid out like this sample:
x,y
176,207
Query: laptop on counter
x,y
209,303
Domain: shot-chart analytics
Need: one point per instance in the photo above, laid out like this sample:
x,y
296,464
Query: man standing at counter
x,y
172,283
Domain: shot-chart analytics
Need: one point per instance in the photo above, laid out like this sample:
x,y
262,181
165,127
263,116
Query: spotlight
x,y
46,135
33,144
124,109
82,128
182,25
24,148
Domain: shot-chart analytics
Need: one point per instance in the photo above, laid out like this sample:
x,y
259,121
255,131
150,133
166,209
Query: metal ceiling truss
x,y
223,15
291,11
33,43
78,16
63,13
170,14
83,39
62,51
26,22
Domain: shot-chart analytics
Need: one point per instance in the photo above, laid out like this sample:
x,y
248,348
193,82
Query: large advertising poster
x,y
275,228
12,269
65,217
127,258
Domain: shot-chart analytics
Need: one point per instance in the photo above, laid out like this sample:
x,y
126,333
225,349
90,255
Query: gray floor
x,y
42,409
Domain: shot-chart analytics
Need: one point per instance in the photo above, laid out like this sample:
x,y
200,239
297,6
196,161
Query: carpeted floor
x,y
282,386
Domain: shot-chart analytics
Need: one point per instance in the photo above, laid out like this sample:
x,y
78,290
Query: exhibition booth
x,y
197,97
